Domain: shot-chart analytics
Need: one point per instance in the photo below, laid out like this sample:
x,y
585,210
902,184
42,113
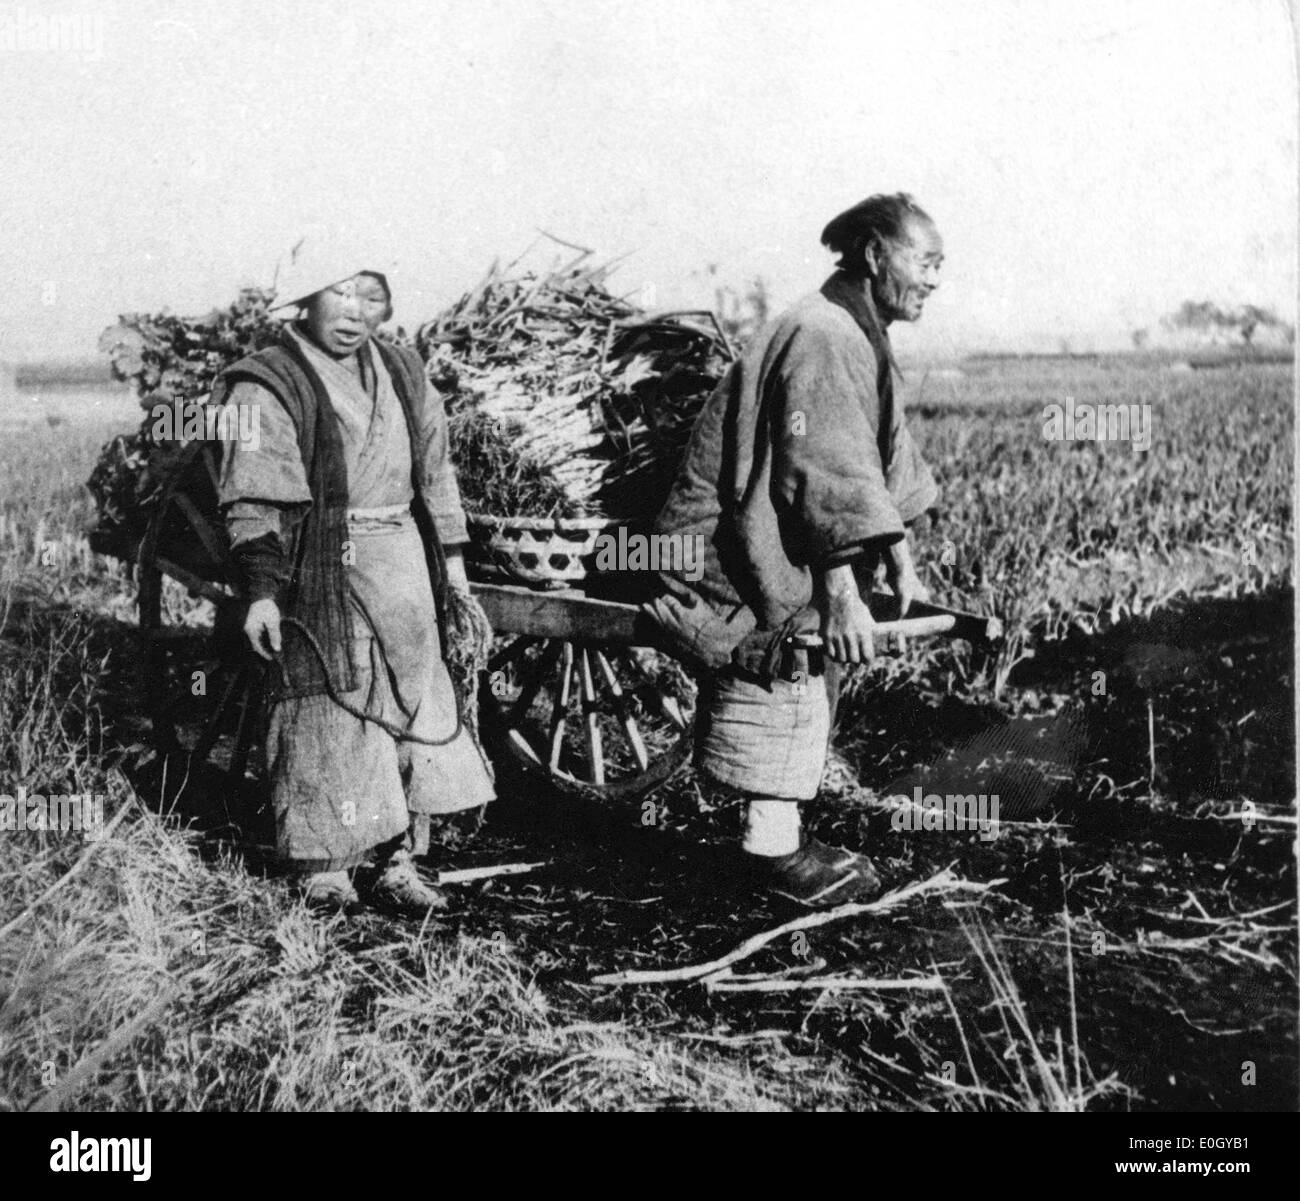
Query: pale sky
x,y
1090,165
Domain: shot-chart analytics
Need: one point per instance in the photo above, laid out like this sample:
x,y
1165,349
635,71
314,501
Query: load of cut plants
x,y
569,408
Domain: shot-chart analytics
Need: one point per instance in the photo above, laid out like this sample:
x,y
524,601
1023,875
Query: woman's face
x,y
341,318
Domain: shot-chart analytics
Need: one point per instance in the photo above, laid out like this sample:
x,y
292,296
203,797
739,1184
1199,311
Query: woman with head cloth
x,y
344,516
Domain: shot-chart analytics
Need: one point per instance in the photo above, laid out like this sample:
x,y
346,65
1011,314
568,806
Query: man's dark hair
x,y
881,216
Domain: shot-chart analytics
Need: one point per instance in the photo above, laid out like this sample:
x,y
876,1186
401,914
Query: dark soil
x,y
1139,855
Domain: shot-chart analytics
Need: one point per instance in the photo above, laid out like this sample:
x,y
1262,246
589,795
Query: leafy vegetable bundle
x,y
167,358
564,400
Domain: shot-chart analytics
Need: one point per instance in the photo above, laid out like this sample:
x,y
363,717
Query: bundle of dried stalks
x,y
566,400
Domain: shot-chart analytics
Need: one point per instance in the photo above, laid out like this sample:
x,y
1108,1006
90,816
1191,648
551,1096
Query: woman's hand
x,y
847,624
262,627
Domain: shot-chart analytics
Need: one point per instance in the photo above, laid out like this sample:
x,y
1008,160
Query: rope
x,y
391,727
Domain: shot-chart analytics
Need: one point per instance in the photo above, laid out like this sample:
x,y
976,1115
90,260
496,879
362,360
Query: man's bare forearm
x,y
846,624
900,553
838,582
903,578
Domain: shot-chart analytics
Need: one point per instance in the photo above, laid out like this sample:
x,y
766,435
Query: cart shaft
x,y
573,615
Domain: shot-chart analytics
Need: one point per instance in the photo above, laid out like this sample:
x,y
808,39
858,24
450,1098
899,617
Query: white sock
x,y
771,828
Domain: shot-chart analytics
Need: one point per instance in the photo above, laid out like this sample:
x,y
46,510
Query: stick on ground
x,y
726,983
465,874
944,881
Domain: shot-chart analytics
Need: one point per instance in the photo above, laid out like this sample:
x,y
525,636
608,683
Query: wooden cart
x,y
578,695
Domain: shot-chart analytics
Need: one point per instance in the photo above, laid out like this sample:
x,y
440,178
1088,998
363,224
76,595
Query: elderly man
x,y
800,476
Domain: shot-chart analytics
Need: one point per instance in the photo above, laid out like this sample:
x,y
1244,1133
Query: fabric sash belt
x,y
386,516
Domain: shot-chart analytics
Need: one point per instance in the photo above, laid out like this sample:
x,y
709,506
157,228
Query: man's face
x,y
341,318
907,272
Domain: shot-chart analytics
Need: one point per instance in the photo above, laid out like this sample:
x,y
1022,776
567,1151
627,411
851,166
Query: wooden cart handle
x,y
571,615
925,619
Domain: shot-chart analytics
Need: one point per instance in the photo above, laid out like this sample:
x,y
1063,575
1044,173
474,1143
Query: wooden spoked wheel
x,y
203,690
590,718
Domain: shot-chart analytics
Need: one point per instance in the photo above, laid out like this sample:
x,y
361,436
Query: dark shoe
x,y
818,876
398,886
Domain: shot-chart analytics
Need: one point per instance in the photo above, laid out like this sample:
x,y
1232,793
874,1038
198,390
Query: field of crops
x,y
1061,535
1136,948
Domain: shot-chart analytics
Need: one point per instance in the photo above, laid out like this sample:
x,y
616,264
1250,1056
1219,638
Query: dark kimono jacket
x,y
800,460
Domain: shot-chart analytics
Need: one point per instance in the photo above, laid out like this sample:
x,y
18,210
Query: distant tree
x,y
1251,317
1245,320
1199,315
1140,338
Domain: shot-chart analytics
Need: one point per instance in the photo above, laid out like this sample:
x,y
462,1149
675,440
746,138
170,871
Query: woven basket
x,y
542,552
